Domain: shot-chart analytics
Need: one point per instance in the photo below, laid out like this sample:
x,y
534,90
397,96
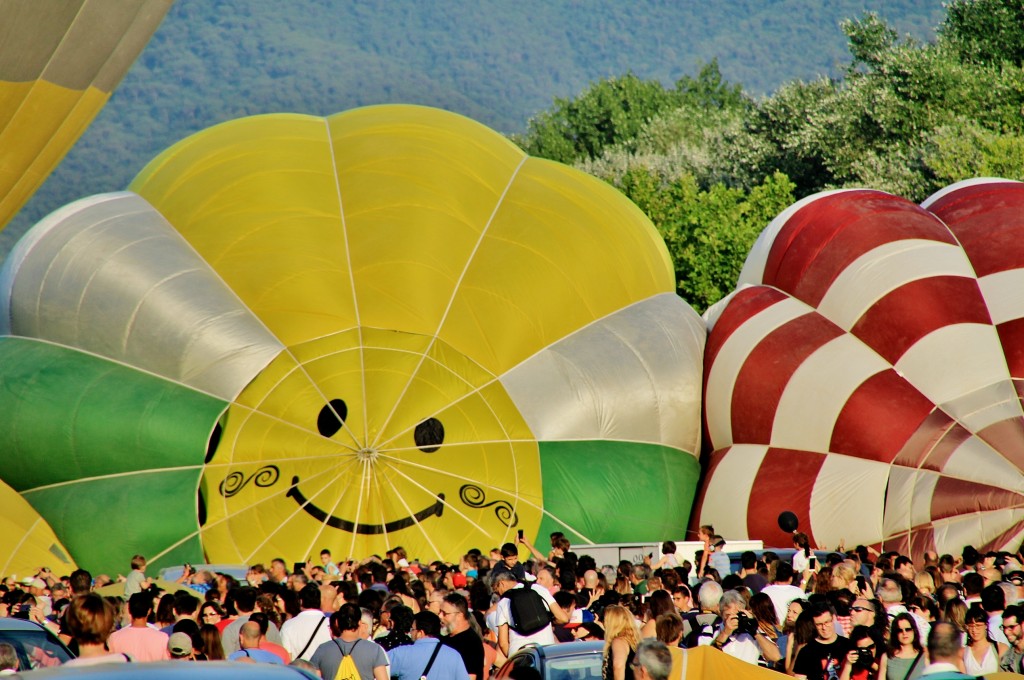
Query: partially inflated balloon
x,y
868,374
387,327
59,62
29,542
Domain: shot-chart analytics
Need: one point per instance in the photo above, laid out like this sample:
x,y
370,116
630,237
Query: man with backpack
x,y
348,656
524,614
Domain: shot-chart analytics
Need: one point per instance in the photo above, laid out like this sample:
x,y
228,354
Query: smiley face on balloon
x,y
385,327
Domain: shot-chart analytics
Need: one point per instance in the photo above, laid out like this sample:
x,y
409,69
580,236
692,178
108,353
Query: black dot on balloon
x,y
331,417
214,441
201,508
429,435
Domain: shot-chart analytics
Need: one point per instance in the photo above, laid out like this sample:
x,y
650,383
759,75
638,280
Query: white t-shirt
x,y
503,614
781,596
741,646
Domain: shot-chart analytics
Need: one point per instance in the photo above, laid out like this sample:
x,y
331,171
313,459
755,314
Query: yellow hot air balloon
x,y
30,543
386,327
59,62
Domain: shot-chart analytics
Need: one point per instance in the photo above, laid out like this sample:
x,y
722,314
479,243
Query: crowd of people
x,y
856,615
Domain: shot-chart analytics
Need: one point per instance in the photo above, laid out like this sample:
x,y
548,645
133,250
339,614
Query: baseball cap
x,y
179,644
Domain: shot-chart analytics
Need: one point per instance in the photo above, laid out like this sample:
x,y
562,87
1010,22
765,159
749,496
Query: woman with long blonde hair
x,y
621,638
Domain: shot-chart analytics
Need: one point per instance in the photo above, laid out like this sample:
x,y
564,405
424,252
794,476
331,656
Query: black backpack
x,y
529,611
700,625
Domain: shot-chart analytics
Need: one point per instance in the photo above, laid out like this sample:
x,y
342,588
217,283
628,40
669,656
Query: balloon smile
x,y
345,525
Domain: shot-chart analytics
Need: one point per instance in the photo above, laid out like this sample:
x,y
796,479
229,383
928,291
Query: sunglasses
x,y
905,630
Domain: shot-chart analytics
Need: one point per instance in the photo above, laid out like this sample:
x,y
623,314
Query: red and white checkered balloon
x,y
867,374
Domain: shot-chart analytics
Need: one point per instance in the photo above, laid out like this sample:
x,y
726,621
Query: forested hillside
x,y
711,166
497,62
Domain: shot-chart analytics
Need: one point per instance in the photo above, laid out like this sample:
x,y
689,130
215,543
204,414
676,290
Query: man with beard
x,y
460,635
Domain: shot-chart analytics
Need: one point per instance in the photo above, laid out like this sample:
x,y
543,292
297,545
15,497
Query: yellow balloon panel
x,y
29,542
258,199
418,188
39,122
446,450
521,278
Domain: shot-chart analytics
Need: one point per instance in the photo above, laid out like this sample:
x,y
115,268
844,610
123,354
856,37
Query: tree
x,y
607,112
985,31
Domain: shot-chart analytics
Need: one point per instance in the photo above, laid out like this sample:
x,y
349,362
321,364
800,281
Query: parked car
x,y
36,646
565,661
175,670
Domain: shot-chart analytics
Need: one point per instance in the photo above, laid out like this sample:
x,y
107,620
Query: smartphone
x,y
812,562
520,532
298,567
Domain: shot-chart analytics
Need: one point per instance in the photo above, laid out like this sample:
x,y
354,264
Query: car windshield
x,y
574,668
34,648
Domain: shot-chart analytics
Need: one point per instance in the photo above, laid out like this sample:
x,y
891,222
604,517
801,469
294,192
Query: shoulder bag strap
x,y
437,648
913,666
310,640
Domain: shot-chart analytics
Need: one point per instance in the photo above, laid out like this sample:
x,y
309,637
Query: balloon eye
x,y
429,435
214,442
331,418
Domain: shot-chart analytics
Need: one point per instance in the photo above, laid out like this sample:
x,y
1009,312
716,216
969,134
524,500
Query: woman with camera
x,y
865,660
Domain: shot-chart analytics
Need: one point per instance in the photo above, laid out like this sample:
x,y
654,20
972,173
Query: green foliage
x,y
985,31
607,112
708,232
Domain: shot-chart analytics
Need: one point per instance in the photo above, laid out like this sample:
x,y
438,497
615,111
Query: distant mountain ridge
x,y
496,62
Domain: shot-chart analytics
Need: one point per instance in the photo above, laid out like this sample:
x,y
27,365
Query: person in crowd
x,y
213,648
865,659
658,602
739,634
509,641
653,661
823,656
427,657
1013,660
460,636
621,639
211,613
90,620
9,662
263,621
138,640
179,646
945,653
796,607
399,624
905,659
982,652
803,633
136,580
370,658
782,591
302,635
669,630
245,604
249,638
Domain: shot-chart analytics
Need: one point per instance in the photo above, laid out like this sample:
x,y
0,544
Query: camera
x,y
746,624
865,657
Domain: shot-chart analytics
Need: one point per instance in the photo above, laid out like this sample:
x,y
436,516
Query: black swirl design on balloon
x,y
236,481
474,497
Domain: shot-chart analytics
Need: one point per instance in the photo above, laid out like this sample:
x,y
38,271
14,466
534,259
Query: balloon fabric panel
x,y
61,61
921,410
